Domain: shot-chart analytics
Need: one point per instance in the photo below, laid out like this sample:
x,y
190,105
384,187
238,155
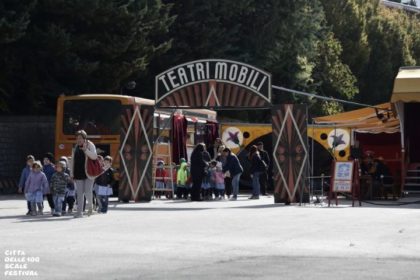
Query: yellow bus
x,y
114,123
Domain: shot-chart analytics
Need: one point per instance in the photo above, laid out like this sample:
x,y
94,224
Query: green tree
x,y
14,21
348,20
376,41
84,46
391,48
284,37
334,77
201,29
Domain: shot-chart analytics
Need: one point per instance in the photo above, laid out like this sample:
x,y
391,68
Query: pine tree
x,y
85,46
14,21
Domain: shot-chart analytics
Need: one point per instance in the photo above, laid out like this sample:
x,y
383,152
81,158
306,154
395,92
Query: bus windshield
x,y
96,117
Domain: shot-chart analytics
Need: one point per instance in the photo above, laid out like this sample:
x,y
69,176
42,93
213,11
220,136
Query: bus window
x,y
96,117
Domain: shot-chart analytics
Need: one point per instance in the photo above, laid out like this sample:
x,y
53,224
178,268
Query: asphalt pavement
x,y
244,239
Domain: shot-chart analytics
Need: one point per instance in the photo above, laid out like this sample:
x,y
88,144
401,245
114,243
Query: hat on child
x,y
49,156
63,163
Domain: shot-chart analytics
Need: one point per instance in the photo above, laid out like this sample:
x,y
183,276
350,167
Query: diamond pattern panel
x,y
136,153
290,152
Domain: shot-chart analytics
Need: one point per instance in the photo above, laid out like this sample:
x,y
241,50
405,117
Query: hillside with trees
x,y
348,49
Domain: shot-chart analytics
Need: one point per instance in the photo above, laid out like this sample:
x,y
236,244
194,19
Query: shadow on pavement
x,y
32,219
134,208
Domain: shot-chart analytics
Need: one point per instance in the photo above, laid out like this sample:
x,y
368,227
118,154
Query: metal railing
x,y
318,188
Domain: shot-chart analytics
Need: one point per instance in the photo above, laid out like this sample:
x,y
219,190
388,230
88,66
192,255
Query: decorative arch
x,y
213,83
219,83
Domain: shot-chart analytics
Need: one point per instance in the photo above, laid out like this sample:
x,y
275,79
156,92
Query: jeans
x,y
58,203
103,202
219,192
256,183
235,184
70,201
84,188
228,186
182,191
50,200
34,197
264,182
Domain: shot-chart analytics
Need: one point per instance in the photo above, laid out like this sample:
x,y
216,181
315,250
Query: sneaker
x,y
33,213
56,215
78,215
90,212
28,213
70,211
40,212
233,198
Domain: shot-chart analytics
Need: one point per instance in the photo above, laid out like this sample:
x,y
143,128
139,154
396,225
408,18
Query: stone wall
x,y
19,137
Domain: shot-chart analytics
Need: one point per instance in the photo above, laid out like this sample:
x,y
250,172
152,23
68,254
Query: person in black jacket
x,y
264,176
258,166
198,169
104,183
234,170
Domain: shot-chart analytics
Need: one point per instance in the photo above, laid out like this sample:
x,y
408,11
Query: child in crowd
x,y
95,197
24,175
181,181
160,178
206,186
70,196
104,184
49,170
36,186
58,185
218,179
170,185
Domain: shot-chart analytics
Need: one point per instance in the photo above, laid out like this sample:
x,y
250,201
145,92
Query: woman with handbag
x,y
84,171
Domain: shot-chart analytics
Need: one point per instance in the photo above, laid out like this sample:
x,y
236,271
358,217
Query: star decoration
x,y
337,140
233,136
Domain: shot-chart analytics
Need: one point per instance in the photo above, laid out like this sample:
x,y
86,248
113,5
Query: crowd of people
x,y
214,173
378,173
65,185
69,187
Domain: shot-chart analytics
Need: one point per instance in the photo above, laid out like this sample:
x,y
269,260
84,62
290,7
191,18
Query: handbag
x,y
93,168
